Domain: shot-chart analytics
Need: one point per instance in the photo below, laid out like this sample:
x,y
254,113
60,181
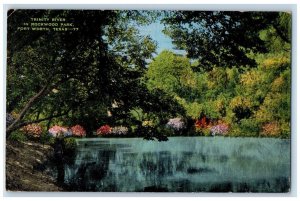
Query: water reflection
x,y
188,164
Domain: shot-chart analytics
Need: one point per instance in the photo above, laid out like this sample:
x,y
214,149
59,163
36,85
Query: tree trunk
x,y
26,108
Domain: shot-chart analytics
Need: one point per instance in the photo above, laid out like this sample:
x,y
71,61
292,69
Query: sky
x,y
163,41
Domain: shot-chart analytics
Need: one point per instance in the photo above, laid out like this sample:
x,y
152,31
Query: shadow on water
x,y
87,176
59,160
192,170
111,166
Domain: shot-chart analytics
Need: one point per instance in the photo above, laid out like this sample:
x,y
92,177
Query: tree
x,y
278,36
170,72
53,74
221,38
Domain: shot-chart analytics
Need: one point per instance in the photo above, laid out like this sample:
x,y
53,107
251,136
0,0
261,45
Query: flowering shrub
x,y
271,129
104,130
202,123
119,130
33,130
202,126
175,123
56,131
220,129
78,131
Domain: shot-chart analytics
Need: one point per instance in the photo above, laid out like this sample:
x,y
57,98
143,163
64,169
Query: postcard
x,y
148,101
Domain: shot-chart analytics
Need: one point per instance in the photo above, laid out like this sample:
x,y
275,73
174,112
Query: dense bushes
x,y
78,131
17,136
271,129
252,102
248,99
244,83
104,130
33,131
220,129
69,144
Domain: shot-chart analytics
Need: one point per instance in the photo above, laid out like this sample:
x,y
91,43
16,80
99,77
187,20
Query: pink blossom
x,y
78,131
220,129
175,123
58,130
34,130
104,130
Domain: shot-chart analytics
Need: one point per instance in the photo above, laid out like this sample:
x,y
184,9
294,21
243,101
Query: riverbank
x,y
26,167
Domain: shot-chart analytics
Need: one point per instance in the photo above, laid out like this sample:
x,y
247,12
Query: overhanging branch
x,y
19,125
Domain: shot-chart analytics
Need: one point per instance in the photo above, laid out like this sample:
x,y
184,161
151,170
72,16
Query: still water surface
x,y
182,164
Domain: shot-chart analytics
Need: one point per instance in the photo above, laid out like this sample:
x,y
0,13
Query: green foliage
x,y
79,79
249,127
17,136
169,72
45,138
203,131
192,109
219,38
285,128
245,98
69,144
278,36
206,132
104,77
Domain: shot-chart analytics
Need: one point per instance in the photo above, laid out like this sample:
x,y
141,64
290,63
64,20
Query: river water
x,y
181,164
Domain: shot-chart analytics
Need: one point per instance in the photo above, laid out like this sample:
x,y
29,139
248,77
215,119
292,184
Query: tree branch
x,y
28,105
46,89
19,125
